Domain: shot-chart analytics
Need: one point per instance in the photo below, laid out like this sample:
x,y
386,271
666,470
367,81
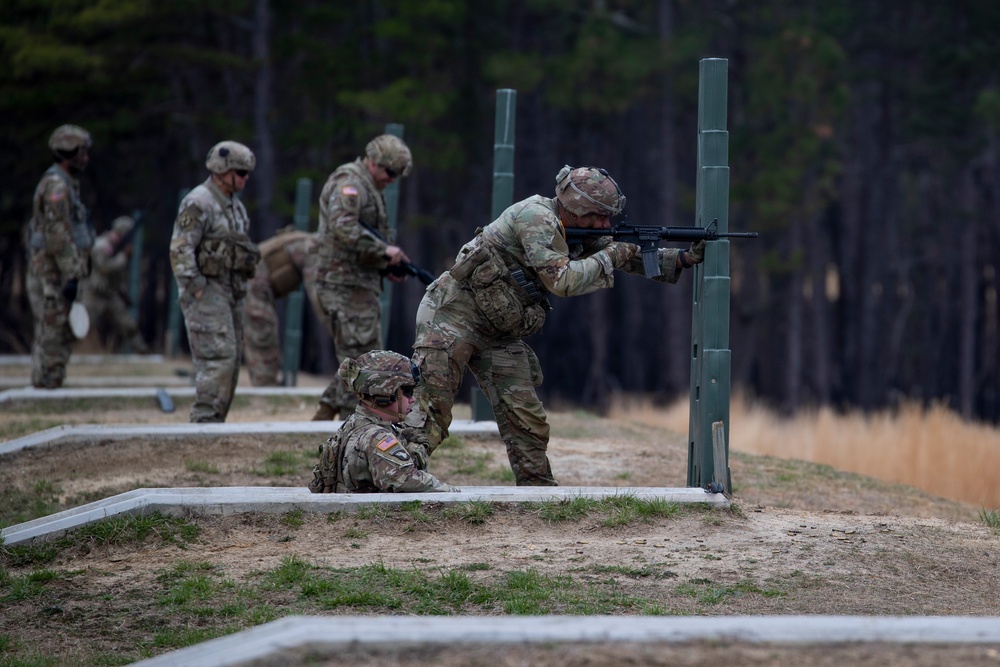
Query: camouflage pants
x,y
262,341
453,335
53,340
215,333
110,308
352,316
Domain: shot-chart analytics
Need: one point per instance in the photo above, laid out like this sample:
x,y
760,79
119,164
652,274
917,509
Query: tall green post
x,y
173,337
503,197
292,354
391,194
710,354
135,266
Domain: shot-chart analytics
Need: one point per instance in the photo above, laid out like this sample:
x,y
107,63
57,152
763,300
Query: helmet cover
x,y
589,190
378,373
389,151
227,155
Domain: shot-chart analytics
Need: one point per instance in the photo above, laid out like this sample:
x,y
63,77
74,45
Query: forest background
x,y
863,149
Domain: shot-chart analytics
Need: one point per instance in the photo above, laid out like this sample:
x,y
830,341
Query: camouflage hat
x,y
123,225
378,373
227,155
68,138
389,151
587,190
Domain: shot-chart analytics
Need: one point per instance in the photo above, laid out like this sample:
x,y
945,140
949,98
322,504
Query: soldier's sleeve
x,y
57,229
547,253
393,469
188,229
347,200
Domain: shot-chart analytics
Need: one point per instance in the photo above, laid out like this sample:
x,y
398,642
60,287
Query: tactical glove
x,y
70,289
418,453
620,253
696,253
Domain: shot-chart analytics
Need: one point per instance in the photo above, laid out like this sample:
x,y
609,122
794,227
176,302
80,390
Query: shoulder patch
x,y
349,191
387,443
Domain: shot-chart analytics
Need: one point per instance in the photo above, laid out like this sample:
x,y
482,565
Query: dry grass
x,y
933,448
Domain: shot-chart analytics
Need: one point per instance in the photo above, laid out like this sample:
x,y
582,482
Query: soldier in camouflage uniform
x,y
58,241
354,250
212,257
476,314
369,454
103,292
282,268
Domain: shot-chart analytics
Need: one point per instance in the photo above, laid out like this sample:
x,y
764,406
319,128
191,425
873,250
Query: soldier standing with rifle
x,y
59,239
355,249
212,257
476,314
103,292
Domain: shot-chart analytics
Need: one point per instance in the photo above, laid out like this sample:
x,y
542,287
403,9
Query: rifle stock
x,y
647,237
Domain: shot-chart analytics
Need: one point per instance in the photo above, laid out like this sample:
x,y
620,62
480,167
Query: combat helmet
x,y
123,225
379,374
227,155
389,151
66,140
587,190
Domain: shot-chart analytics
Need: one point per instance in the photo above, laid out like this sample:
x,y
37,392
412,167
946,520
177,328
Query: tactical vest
x,y
83,233
229,252
375,200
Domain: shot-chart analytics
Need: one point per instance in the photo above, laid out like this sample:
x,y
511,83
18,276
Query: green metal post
x,y
503,196
292,357
173,338
391,195
710,354
135,266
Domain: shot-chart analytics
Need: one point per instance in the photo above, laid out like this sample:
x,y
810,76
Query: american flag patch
x,y
387,443
349,190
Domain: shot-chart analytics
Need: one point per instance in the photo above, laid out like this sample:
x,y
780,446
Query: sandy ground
x,y
798,542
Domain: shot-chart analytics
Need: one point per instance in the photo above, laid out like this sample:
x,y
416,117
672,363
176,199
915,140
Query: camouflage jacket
x,y
348,253
530,235
59,236
376,459
109,273
206,213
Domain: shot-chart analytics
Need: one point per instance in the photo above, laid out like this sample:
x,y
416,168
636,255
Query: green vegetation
x,y
708,592
115,530
991,518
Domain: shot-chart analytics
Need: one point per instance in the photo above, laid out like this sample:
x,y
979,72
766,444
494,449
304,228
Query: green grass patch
x,y
991,518
201,466
279,464
20,505
708,592
113,530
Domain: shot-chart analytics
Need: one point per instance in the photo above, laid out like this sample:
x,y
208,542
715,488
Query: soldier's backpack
x,y
328,473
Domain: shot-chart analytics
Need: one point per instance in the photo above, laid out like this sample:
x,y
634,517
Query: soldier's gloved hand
x,y
620,253
418,453
70,289
695,254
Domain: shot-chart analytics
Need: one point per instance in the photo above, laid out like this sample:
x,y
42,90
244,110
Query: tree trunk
x,y
265,172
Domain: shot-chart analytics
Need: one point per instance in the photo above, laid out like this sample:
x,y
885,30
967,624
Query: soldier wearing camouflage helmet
x,y
58,240
477,313
355,249
103,293
369,454
212,257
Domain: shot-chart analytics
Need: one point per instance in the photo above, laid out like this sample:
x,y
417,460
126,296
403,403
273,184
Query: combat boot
x,y
325,412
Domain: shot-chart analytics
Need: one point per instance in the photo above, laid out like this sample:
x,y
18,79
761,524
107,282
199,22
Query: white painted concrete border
x,y
82,381
59,435
326,634
90,359
35,394
228,500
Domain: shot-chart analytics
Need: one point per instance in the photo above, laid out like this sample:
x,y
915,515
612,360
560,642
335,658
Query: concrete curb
x,y
324,635
228,500
34,394
25,359
60,435
100,381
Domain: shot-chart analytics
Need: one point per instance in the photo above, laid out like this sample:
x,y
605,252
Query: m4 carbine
x,y
648,237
